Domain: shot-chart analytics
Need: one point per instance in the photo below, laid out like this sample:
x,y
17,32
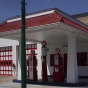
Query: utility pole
x,y
23,49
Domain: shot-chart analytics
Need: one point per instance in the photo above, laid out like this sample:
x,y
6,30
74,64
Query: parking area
x,y
6,79
6,82
18,85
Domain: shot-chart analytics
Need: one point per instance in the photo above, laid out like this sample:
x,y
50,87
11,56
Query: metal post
x,y
23,49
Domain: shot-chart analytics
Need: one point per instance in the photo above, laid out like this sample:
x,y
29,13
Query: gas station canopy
x,y
50,25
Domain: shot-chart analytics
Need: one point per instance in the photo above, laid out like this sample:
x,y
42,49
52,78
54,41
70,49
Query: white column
x,y
19,62
39,67
31,68
14,58
72,69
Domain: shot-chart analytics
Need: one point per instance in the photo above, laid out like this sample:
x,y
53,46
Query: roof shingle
x,y
40,20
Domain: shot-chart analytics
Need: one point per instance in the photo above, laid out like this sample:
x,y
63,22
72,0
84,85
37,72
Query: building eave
x,y
41,18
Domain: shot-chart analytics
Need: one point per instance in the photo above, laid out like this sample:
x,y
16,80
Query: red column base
x,y
44,69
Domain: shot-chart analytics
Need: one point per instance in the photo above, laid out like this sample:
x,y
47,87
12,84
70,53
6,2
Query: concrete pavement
x,y
6,78
6,82
18,85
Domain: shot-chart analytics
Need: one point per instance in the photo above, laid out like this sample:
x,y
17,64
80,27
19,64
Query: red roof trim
x,y
30,22
74,24
40,20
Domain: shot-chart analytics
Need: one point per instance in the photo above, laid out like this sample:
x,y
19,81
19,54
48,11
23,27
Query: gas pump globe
x,y
31,52
44,48
57,51
43,43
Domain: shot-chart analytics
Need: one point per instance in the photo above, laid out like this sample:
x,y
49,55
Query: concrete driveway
x,y
18,85
6,82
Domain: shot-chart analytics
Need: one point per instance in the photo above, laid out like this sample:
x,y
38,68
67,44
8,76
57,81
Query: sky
x,y
11,8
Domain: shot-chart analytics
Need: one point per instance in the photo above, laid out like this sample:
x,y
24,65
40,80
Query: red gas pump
x,y
32,66
58,72
44,62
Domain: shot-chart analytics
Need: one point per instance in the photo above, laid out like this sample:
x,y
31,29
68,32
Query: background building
x,y
83,17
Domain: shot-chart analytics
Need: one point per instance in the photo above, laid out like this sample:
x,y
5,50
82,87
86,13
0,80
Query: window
x,y
52,59
6,62
82,58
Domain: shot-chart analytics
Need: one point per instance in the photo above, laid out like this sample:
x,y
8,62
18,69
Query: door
x,y
52,59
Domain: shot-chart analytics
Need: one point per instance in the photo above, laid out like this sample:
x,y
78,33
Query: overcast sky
x,y
11,8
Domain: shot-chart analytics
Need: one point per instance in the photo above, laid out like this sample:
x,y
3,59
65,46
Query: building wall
x,y
13,43
83,70
81,47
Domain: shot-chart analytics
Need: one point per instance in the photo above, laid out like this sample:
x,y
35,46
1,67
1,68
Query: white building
x,y
59,30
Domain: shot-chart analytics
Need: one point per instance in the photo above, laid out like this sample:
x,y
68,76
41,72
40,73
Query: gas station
x,y
55,33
